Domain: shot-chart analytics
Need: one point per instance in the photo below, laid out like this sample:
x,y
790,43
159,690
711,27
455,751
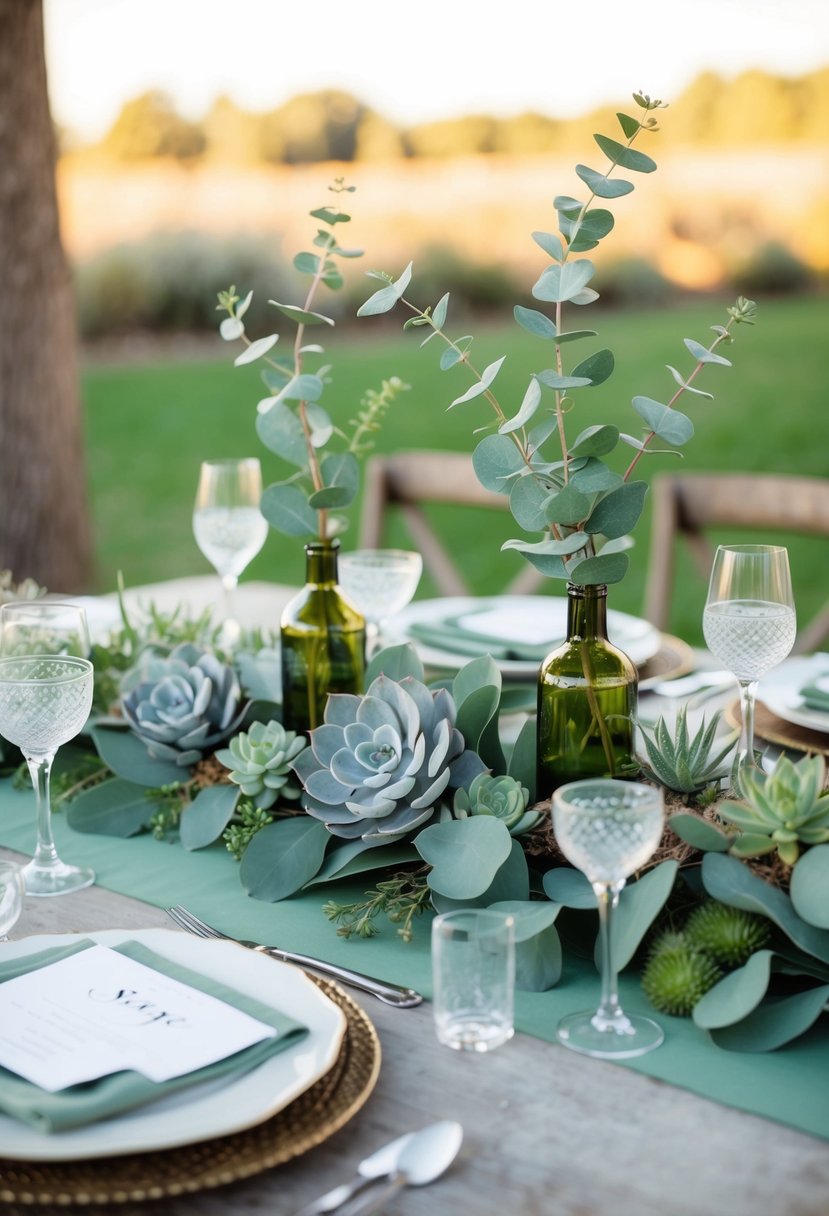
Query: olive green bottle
x,y
323,642
587,691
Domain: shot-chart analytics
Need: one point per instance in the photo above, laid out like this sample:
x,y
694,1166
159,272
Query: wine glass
x,y
12,896
45,699
228,526
379,583
749,622
608,828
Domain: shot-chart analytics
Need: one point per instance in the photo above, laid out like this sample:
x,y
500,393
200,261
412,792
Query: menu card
x,y
99,1012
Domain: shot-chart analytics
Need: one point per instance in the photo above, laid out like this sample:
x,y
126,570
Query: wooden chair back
x,y
406,482
687,505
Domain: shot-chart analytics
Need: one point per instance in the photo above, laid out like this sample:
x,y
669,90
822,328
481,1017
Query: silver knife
x,y
380,1164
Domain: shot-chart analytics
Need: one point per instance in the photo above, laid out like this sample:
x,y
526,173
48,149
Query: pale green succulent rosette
x,y
502,797
260,762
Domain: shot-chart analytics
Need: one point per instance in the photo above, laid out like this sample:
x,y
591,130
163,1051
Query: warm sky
x,y
414,61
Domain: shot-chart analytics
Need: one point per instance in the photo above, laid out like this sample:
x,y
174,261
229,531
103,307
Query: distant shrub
x,y
168,283
633,281
774,270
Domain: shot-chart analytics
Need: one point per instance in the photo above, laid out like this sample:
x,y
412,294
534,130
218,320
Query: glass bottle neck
x,y
321,563
586,612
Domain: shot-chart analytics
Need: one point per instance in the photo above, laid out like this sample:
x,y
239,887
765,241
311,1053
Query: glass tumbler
x,y
473,969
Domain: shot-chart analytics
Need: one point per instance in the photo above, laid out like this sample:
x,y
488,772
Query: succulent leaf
x,y
260,762
685,763
780,810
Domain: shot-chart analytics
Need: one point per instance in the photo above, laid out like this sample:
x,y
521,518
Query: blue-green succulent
x,y
502,797
260,762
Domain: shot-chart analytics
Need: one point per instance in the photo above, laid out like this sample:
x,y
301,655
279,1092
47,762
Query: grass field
x,y
150,425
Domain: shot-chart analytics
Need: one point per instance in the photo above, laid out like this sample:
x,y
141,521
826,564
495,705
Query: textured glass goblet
x,y
608,829
45,699
749,623
379,583
12,896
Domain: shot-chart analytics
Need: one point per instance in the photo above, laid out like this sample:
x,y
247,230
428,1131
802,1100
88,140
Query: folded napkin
x,y
123,1091
815,694
452,636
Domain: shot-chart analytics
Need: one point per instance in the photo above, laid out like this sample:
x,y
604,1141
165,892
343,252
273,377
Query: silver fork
x,y
390,994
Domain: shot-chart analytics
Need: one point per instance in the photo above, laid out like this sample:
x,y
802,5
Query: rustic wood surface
x,y
545,1131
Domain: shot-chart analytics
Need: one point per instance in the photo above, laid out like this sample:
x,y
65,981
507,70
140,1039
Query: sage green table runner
x,y
789,1085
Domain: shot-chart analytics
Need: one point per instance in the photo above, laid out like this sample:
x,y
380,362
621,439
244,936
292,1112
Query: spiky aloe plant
x,y
780,810
683,763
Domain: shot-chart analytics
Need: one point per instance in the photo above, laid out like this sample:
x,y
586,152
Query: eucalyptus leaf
x,y
595,441
231,328
207,816
465,854
112,808
512,881
595,478
561,283
629,125
597,368
527,409
480,386
522,761
605,568
538,953
286,508
669,424
736,995
385,299
127,757
527,502
307,263
330,496
496,460
809,887
588,296
618,512
281,432
601,185
569,888
302,316
256,349
282,857
482,672
639,905
550,547
562,383
361,856
396,662
551,245
341,469
319,420
569,506
534,322
774,1023
628,158
440,310
703,355
685,386
306,387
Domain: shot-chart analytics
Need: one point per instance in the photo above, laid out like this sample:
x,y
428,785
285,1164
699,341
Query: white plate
x,y
780,690
541,617
214,1108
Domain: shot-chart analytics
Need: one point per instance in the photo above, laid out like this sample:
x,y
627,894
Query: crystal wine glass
x,y
608,829
227,523
379,583
749,622
45,699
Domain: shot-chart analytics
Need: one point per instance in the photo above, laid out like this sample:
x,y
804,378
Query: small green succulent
x,y
677,975
780,810
683,763
260,762
727,935
503,797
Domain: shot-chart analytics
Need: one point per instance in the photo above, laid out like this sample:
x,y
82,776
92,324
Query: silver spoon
x,y
429,1152
378,1165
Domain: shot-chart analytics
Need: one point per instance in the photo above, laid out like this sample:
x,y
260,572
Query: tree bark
x,y
44,518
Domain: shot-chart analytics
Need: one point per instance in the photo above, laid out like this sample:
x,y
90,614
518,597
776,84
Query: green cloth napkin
x,y
814,696
122,1091
450,635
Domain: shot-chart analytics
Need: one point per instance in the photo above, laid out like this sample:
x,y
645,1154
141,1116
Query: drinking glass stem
x,y
229,584
40,768
609,1014
745,750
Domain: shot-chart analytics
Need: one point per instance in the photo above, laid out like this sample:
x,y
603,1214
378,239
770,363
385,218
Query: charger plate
x,y
778,730
310,1119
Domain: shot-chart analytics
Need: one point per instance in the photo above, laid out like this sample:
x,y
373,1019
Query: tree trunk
x,y
44,521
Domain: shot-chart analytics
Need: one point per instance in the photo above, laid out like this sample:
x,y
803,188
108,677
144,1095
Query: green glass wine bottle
x,y
323,640
587,691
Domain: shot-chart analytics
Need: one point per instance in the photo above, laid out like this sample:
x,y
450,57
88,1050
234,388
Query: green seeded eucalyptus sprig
x,y
583,508
291,421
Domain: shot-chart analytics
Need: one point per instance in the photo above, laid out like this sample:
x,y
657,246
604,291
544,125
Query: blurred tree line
x,y
752,108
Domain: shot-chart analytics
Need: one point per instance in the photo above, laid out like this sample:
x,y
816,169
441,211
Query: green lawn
x,y
149,426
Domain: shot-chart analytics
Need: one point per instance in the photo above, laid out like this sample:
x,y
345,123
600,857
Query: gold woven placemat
x,y
309,1120
674,658
777,730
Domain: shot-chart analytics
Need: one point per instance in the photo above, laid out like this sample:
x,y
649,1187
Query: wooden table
x,y
546,1131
